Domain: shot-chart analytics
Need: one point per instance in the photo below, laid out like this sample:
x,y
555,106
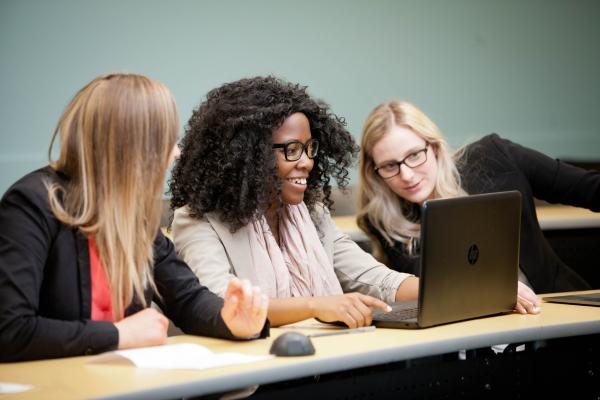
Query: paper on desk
x,y
8,387
175,356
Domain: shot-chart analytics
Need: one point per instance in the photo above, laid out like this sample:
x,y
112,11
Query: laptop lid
x,y
469,258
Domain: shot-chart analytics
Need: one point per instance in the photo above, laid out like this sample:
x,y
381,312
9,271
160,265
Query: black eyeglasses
x,y
413,160
293,150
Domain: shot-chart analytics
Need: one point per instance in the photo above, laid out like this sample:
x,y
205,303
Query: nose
x,y
175,154
406,173
304,162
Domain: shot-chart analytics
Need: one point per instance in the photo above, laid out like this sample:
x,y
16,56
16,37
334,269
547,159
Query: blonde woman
x,y
405,160
81,253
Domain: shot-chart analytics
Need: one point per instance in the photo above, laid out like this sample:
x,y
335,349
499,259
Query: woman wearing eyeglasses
x,y
405,160
252,189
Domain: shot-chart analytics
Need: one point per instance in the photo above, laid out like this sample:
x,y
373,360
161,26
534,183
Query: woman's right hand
x,y
144,328
353,309
527,301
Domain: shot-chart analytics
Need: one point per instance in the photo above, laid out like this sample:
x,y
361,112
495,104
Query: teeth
x,y
299,181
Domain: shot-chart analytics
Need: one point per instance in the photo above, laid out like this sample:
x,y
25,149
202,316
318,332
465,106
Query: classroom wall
x,y
527,69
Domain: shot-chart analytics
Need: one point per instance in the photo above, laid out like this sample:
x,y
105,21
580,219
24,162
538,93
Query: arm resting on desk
x,y
353,309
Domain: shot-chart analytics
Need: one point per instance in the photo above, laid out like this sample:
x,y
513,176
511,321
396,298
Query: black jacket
x,y
494,164
45,294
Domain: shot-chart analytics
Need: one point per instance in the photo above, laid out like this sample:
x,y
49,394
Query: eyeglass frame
x,y
403,161
285,145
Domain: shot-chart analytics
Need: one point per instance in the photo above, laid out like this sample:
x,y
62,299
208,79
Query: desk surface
x,y
76,378
565,217
550,218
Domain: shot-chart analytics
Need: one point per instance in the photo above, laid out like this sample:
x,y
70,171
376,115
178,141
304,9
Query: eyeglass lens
x,y
294,150
412,161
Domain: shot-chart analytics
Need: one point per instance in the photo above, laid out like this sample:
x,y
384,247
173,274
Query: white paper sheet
x,y
8,387
175,356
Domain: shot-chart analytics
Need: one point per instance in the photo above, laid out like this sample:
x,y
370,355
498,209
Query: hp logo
x,y
473,254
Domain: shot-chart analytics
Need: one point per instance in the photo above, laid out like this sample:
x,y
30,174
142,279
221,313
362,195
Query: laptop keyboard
x,y
400,312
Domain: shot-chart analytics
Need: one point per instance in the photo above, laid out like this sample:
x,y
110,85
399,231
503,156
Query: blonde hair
x,y
379,206
116,136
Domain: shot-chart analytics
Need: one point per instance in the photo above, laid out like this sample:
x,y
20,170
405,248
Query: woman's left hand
x,y
527,301
245,309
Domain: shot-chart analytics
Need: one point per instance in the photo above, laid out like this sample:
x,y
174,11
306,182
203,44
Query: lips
x,y
413,187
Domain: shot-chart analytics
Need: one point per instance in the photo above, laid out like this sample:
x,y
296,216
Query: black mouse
x,y
292,344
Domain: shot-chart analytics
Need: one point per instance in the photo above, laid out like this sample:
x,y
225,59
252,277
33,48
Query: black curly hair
x,y
227,164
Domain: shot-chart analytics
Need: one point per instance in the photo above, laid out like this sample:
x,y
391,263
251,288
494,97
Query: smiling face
x,y
293,174
413,184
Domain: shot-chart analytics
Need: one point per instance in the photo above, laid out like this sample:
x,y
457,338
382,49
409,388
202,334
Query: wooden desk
x,y
565,217
550,218
76,378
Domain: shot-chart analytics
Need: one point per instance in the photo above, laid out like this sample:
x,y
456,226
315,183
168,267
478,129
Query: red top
x,y
101,296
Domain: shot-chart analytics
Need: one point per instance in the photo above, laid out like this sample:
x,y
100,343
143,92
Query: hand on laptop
x,y
527,301
353,309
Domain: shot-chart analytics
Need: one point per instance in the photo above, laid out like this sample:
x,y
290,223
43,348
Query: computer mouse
x,y
292,344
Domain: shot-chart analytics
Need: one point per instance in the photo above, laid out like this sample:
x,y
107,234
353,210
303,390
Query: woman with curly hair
x,y
251,192
405,160
81,252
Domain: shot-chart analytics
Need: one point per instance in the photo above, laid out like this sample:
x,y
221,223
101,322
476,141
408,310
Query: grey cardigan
x,y
215,254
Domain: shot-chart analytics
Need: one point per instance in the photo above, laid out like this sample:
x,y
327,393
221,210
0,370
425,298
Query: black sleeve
x,y
27,229
552,180
191,306
397,258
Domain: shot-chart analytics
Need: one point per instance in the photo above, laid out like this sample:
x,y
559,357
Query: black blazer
x,y
45,294
494,164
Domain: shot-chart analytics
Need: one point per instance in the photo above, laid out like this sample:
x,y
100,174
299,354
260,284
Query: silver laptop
x,y
583,299
469,261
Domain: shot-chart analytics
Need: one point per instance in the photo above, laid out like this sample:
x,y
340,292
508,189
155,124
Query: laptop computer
x,y
581,299
469,261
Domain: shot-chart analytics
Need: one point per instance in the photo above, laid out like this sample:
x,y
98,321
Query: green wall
x,y
529,70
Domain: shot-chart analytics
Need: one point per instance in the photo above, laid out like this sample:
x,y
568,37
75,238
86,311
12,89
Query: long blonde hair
x,y
379,206
116,136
